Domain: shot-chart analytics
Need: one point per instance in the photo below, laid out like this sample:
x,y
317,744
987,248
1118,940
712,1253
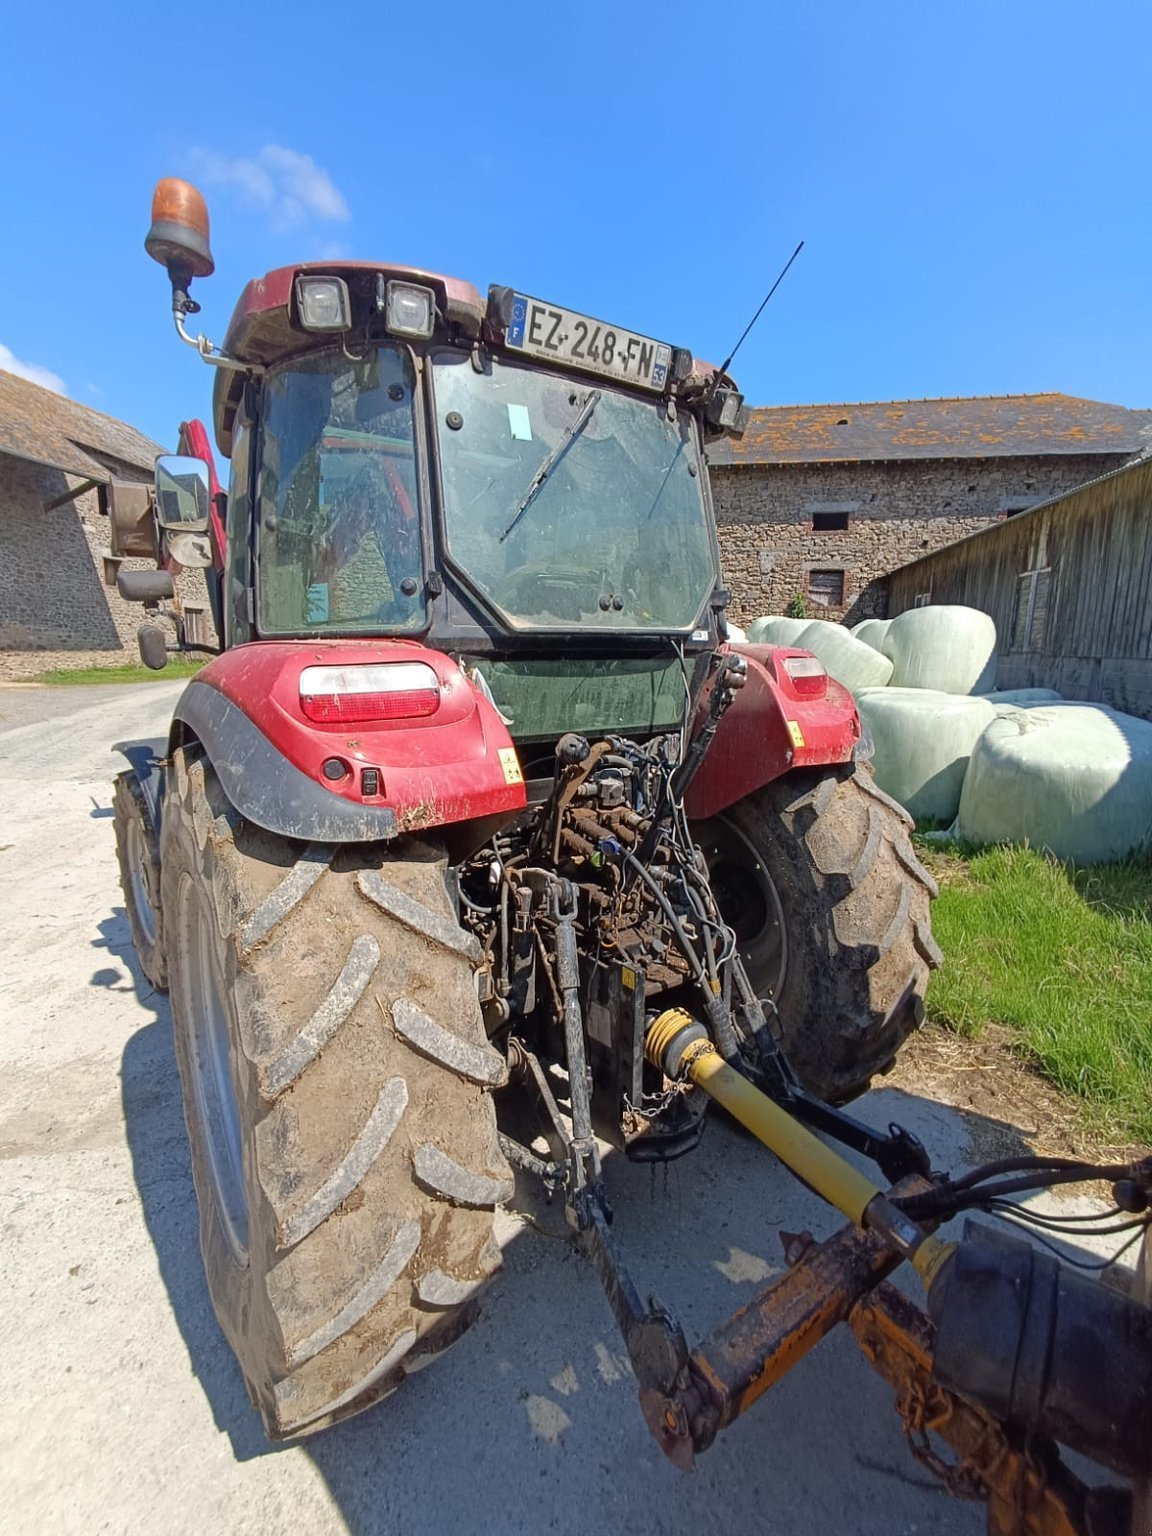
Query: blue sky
x,y
972,180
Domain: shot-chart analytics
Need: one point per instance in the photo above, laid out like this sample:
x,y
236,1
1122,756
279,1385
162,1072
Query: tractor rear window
x,y
570,503
338,542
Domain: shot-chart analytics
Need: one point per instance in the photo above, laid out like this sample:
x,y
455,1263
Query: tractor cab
x,y
509,481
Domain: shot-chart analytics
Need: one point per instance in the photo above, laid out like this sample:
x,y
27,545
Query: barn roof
x,y
980,427
47,428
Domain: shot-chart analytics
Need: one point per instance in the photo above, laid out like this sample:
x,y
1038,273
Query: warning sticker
x,y
795,732
511,766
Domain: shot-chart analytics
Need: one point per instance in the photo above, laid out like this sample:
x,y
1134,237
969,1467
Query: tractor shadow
x,y
532,1423
154,1124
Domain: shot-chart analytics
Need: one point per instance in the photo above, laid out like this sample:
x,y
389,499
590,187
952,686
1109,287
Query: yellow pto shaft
x,y
678,1046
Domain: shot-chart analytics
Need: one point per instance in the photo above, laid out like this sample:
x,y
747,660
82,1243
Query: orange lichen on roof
x,y
961,427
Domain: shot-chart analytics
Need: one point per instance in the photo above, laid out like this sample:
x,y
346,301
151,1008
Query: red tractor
x,y
478,804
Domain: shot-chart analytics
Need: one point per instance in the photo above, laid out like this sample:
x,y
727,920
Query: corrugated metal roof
x,y
980,427
37,424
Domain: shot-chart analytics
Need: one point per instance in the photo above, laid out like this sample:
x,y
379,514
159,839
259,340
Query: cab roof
x,y
261,329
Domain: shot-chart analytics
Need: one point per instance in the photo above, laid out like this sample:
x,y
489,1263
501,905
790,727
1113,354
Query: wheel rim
x,y
218,1112
749,903
139,867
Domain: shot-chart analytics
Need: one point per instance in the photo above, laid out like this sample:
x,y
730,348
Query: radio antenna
x,y
726,364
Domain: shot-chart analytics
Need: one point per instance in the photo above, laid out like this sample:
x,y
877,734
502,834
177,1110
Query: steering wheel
x,y
577,584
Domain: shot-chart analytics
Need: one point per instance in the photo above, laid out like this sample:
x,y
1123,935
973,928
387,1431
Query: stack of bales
x,y
1017,766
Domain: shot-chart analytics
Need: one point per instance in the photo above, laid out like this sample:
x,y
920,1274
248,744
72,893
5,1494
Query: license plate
x,y
577,341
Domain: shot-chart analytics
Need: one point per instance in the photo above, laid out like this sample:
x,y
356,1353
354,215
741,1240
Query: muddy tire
x,y
818,877
139,855
337,1090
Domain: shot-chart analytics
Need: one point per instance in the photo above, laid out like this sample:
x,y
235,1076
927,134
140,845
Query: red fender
x,y
455,765
769,730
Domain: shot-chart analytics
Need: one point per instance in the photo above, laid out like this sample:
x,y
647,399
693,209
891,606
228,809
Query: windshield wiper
x,y
550,463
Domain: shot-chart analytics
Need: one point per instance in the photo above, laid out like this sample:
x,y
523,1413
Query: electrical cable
x,y
1021,1213
1064,1164
1093,1266
971,1189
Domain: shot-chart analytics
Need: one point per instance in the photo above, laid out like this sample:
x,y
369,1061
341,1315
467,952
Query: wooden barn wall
x,y
1097,636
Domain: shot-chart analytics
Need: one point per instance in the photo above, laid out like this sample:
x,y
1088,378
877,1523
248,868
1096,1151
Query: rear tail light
x,y
402,690
807,676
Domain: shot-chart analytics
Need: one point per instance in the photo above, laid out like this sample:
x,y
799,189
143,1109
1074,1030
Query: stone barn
x,y
58,602
821,501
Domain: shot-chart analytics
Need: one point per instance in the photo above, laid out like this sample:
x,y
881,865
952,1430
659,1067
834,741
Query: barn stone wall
x,y
897,511
55,609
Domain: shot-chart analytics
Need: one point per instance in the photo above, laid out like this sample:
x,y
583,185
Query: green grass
x,y
70,676
1063,958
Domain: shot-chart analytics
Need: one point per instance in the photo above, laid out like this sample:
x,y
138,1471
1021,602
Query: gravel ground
x,y
121,1409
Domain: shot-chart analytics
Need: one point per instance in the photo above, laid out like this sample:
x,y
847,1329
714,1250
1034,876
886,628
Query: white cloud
x,y
290,187
10,363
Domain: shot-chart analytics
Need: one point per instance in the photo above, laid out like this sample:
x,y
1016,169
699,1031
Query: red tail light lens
x,y
807,676
403,690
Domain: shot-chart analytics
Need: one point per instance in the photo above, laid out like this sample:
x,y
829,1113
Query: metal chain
x,y
962,1479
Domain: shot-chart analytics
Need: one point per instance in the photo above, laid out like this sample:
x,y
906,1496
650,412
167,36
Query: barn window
x,y
829,522
1010,506
826,589
1030,621
922,600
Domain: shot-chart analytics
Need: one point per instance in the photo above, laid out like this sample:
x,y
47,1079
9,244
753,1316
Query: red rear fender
x,y
769,730
453,765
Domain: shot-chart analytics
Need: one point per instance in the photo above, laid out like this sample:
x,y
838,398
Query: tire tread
x,y
336,1104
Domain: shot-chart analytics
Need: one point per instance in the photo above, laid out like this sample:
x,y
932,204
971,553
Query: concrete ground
x,y
120,1406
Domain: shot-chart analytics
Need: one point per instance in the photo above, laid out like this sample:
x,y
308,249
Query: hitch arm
x,y
896,1152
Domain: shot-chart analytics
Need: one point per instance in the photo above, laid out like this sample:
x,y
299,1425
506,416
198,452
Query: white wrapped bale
x,y
1024,697
872,632
923,741
845,658
776,630
1075,779
737,635
949,648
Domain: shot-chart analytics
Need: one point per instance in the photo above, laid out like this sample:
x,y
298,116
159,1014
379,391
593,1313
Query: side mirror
x,y
182,507
153,645
145,586
182,501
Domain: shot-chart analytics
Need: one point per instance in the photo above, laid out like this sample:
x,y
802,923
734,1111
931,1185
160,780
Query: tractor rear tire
x,y
338,1094
817,875
139,856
